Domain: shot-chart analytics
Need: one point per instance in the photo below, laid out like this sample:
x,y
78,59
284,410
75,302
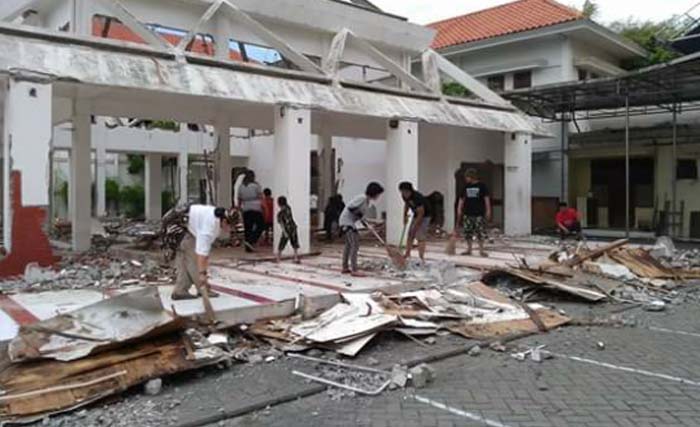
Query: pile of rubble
x,y
89,271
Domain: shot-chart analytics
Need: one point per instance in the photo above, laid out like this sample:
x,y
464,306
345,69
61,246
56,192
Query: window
x,y
497,83
522,80
687,169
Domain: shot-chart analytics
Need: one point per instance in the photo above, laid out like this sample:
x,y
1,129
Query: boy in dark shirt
x,y
422,215
475,211
289,229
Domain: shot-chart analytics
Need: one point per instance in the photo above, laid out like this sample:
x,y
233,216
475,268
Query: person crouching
x,y
204,225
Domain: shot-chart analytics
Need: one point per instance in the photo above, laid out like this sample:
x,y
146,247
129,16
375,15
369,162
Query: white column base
x,y
154,186
292,176
518,184
401,165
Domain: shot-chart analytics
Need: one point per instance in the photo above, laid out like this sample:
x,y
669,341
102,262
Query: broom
x,y
394,254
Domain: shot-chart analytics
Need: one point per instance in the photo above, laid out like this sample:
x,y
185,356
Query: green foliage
x,y
165,125
132,200
590,9
454,89
137,164
62,191
112,190
167,200
649,35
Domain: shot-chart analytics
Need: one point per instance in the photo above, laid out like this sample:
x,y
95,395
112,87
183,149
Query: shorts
x,y
474,226
423,228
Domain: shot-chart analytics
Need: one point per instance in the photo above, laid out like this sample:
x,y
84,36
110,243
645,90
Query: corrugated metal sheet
x,y
104,66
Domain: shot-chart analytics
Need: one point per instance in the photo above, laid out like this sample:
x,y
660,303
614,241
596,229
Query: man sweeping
x,y
422,214
285,218
204,225
475,211
354,212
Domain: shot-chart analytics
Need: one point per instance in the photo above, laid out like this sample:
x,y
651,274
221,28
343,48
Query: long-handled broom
x,y
394,254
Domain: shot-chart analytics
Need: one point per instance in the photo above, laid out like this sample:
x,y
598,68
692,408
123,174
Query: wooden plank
x,y
549,318
577,260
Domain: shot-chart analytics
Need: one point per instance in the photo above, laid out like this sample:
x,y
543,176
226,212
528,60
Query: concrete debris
x,y
655,306
399,377
664,248
153,387
538,355
422,375
498,347
474,351
600,345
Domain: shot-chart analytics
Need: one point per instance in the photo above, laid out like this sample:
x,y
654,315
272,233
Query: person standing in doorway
x,y
250,202
204,225
356,211
475,211
289,229
268,207
422,214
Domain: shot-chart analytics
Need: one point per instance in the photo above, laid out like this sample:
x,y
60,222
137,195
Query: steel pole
x,y
674,172
627,165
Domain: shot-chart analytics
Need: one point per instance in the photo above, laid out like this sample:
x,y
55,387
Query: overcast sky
x,y
425,11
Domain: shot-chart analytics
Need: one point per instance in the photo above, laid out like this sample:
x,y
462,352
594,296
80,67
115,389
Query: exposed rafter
x,y
148,35
208,15
269,37
331,63
457,74
397,70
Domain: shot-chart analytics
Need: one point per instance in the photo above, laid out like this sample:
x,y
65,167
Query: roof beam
x,y
269,37
470,83
208,15
9,12
331,63
397,70
431,72
131,21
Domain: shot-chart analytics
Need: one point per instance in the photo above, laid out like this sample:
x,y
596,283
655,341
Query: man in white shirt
x,y
192,261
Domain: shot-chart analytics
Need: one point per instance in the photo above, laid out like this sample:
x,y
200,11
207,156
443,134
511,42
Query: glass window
x,y
522,80
687,169
497,83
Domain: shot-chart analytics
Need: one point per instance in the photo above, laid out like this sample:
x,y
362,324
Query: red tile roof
x,y
119,31
515,17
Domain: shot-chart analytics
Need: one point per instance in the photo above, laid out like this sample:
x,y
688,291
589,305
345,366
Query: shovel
x,y
394,254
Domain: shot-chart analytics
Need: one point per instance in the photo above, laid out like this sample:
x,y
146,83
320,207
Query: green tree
x,y
590,9
454,89
652,36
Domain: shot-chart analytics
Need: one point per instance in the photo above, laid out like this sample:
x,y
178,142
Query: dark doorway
x,y
608,181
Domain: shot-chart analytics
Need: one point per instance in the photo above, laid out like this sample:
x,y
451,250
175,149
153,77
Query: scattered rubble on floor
x,y
89,271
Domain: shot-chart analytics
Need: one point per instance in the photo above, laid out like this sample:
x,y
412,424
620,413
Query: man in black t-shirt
x,y
475,211
422,213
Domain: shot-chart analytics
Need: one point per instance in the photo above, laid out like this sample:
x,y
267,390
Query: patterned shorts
x,y
474,226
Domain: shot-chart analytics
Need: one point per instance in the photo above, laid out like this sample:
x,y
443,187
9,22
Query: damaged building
x,y
342,88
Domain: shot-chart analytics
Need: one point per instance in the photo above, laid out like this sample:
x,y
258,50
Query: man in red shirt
x,y
568,222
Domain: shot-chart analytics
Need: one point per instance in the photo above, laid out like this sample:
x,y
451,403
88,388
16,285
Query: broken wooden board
x,y
36,389
578,259
552,282
77,334
467,329
641,263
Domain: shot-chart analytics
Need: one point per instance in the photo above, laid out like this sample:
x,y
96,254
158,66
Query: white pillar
x,y
401,165
518,184
292,176
223,165
326,166
101,178
81,177
81,17
183,170
27,133
154,186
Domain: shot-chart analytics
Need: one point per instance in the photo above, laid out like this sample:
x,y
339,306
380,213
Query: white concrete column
x,y
154,186
518,184
27,132
292,175
222,36
223,165
81,177
81,17
101,178
183,169
401,165
326,166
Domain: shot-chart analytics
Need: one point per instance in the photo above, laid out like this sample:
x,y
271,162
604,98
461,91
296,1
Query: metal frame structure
x,y
672,87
